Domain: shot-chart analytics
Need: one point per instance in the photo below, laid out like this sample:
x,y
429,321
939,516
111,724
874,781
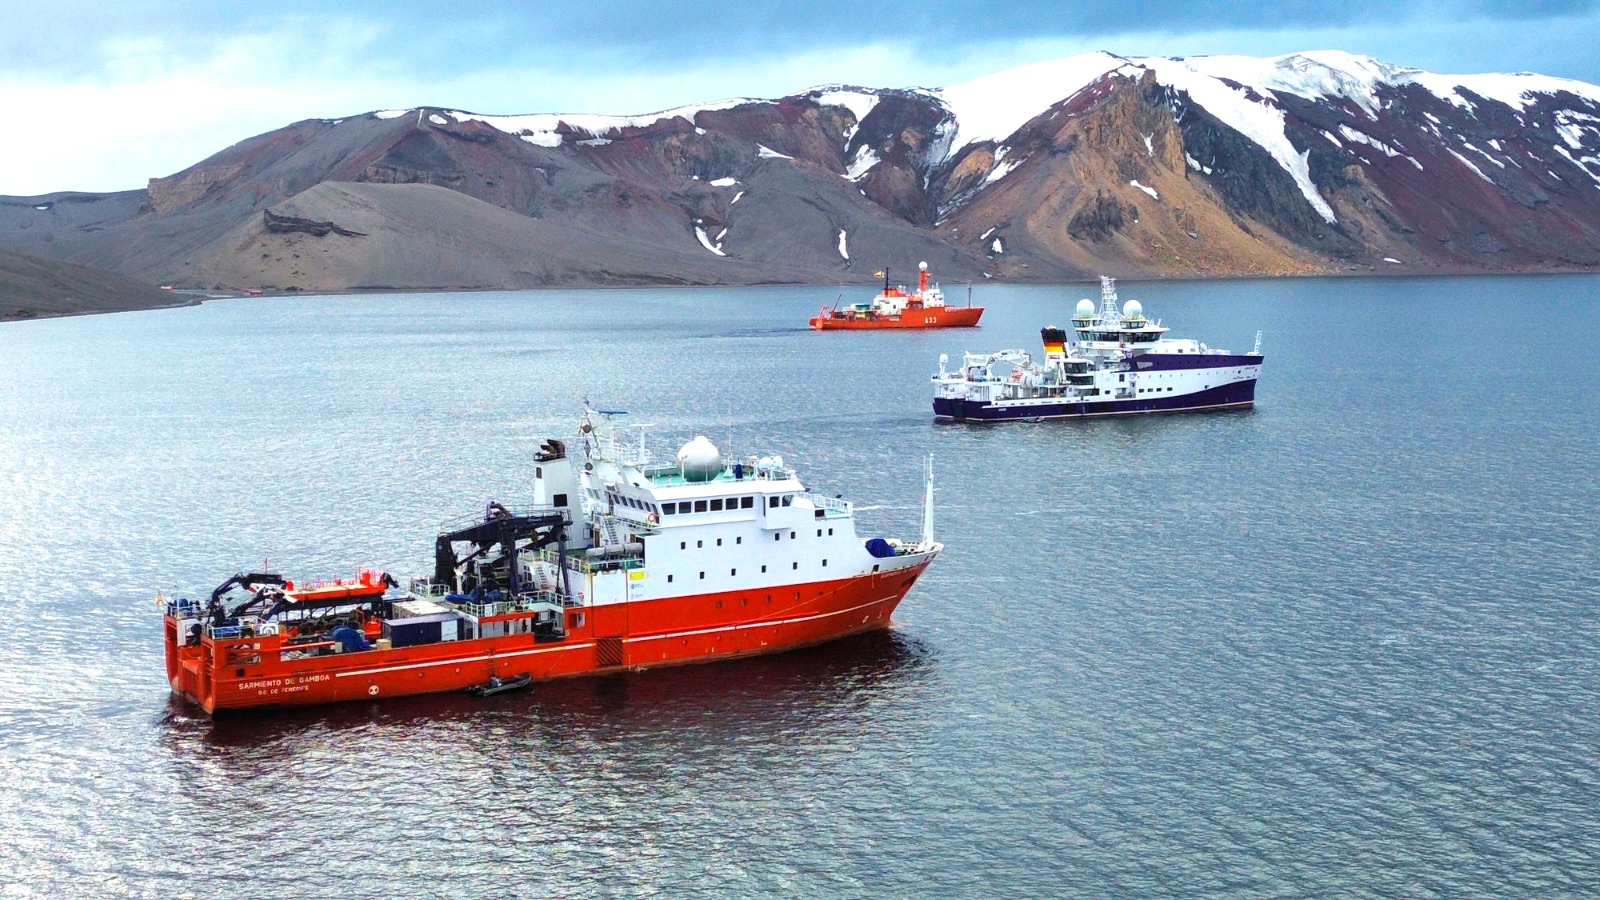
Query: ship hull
x,y
251,672
1238,395
938,317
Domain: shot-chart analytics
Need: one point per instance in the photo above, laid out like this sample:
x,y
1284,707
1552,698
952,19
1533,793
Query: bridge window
x,y
669,509
560,499
699,506
788,499
772,502
746,502
716,505
719,542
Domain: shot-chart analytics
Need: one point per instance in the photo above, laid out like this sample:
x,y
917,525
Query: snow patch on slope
x,y
1515,90
859,101
705,241
993,107
844,244
1359,137
1146,188
865,159
543,128
1259,120
1468,163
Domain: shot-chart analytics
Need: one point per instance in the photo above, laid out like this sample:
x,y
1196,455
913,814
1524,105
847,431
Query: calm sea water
x,y
1342,644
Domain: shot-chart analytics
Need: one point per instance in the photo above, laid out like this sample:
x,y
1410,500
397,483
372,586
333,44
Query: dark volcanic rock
x,y
294,225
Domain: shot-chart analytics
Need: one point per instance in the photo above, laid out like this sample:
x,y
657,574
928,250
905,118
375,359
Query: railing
x,y
241,627
625,524
520,603
578,562
184,608
528,511
831,507
428,589
669,475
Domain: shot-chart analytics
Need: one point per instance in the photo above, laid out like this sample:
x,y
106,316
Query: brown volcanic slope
x,y
372,236
31,287
1126,173
1073,199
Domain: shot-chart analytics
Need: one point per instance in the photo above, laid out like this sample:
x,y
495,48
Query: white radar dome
x,y
922,267
1085,309
699,460
1132,309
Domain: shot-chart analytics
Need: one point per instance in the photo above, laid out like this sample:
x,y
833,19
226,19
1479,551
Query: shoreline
x,y
196,297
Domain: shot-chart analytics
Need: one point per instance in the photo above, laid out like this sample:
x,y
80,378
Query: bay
x,y
1343,643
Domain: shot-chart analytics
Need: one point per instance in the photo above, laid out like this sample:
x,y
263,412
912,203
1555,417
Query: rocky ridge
x,y
1303,164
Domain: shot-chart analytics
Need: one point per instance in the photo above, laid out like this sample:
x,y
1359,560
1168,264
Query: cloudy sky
x,y
103,95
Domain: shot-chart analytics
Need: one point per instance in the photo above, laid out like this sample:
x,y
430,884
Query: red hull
x,y
931,317
250,672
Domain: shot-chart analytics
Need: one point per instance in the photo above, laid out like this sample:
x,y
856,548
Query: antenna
x,y
644,453
927,509
1257,350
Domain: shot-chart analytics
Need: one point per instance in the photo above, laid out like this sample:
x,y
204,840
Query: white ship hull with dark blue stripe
x,y
1234,393
1120,364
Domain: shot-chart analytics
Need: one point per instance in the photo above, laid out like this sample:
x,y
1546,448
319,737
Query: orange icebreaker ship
x,y
898,308
620,562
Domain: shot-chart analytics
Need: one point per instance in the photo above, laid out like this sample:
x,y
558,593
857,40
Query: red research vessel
x,y
620,562
898,308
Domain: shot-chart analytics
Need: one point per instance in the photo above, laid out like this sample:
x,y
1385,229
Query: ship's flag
x,y
878,274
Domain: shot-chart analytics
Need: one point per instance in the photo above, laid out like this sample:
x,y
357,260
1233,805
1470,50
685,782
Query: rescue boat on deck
x,y
619,562
897,307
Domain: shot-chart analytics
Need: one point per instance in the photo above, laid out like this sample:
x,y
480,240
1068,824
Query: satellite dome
x,y
699,460
1132,309
1085,309
922,267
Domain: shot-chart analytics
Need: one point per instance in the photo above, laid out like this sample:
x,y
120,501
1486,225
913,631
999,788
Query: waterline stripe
x,y
458,660
674,634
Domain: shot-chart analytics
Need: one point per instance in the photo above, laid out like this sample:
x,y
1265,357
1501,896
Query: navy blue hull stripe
x,y
1228,396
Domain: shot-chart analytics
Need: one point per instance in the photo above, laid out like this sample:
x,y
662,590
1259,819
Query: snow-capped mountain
x,y
1306,163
